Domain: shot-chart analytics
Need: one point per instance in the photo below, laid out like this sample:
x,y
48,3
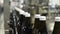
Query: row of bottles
x,y
19,24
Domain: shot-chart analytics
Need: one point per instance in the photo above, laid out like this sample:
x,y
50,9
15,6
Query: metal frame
x,y
6,16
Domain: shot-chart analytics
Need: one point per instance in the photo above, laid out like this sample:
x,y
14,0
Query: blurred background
x,y
29,16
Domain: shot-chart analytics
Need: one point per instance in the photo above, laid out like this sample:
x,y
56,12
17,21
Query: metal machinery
x,y
31,16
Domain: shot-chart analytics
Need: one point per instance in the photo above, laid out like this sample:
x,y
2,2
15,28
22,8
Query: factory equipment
x,y
34,8
21,21
33,17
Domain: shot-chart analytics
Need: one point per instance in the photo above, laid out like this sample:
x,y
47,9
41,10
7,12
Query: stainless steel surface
x,y
6,16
